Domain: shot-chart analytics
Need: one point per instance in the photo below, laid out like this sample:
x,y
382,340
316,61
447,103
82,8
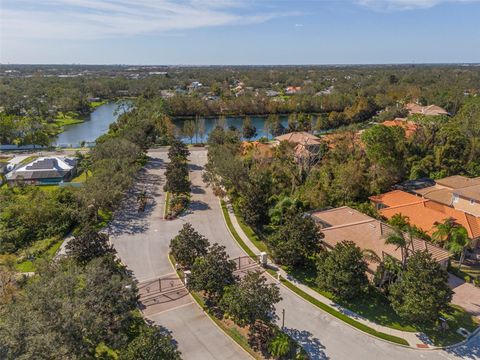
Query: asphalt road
x,y
142,243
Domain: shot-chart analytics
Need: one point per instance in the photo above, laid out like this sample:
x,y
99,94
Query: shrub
x,y
178,204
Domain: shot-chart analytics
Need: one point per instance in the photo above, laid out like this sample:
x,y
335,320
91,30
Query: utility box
x,y
187,276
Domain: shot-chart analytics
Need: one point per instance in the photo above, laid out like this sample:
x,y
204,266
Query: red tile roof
x,y
424,213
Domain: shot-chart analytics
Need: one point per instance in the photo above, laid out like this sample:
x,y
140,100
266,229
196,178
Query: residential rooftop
x,y
424,213
345,223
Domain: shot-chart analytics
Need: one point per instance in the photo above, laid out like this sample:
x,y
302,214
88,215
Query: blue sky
x,y
239,31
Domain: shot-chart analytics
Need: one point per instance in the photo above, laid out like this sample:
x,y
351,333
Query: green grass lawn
x,y
234,232
48,187
254,238
95,104
343,317
372,306
69,118
42,249
456,318
105,217
375,307
80,178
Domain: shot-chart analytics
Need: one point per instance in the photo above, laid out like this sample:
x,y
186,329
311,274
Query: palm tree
x,y
84,162
458,243
398,239
443,231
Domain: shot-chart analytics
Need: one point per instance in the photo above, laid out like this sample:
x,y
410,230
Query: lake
x,y
95,125
210,123
98,122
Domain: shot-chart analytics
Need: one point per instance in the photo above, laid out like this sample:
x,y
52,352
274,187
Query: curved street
x,y
142,240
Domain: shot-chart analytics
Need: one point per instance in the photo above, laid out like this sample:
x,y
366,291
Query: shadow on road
x,y
194,167
155,163
196,205
196,189
129,220
311,344
468,351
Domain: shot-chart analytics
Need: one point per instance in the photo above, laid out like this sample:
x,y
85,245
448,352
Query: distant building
x,y
44,170
195,85
305,143
272,93
291,90
430,110
166,94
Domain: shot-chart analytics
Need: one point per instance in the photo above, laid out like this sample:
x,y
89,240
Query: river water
x,y
95,125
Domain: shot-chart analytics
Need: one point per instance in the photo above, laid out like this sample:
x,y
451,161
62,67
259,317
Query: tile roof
x,y
471,192
442,196
299,137
367,233
396,198
458,181
430,110
339,216
425,213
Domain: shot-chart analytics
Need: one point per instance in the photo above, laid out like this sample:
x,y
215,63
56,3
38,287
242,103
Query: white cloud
x,y
398,5
92,19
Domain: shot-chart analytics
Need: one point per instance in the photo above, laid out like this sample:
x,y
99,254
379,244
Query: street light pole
x,y
283,318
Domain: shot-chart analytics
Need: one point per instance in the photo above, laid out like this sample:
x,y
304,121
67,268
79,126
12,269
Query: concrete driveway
x,y
465,295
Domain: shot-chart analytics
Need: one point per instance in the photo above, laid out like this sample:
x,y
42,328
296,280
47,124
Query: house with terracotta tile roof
x,y
429,110
299,137
425,213
409,127
459,192
345,223
290,90
306,144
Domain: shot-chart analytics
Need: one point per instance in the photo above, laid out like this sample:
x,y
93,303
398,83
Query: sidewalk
x,y
415,340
